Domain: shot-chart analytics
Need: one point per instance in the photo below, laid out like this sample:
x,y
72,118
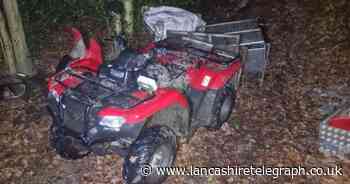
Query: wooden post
x,y
24,63
117,24
6,46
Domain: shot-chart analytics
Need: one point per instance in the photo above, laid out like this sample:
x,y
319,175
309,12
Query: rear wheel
x,y
223,106
155,148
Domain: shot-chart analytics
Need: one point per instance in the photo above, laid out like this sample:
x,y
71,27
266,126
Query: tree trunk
x,y
128,16
6,46
24,63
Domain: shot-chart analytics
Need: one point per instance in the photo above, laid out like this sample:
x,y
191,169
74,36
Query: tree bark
x,y
24,63
129,15
6,46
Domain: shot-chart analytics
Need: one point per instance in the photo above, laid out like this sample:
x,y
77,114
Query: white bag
x,y
163,18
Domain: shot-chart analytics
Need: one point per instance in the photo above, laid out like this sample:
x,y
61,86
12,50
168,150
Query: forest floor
x,y
274,125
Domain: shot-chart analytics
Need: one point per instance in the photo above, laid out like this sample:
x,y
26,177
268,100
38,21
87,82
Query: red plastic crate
x,y
335,134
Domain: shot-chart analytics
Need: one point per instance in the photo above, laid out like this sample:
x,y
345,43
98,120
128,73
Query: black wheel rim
x,y
162,157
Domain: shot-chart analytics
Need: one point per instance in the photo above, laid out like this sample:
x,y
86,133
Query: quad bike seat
x,y
125,67
129,60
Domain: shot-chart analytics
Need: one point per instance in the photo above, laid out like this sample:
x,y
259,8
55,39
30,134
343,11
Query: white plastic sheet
x,y
163,18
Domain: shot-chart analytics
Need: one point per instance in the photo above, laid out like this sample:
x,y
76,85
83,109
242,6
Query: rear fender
x,y
204,78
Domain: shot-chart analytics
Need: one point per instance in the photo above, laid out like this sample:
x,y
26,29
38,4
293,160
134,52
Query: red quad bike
x,y
141,104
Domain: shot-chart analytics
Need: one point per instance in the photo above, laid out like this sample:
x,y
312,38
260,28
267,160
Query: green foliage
x,y
40,15
43,13
50,12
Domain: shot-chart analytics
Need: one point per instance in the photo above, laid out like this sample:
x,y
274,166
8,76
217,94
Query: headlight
x,y
112,122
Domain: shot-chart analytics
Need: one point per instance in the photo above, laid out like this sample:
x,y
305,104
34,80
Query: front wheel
x,y
155,148
66,146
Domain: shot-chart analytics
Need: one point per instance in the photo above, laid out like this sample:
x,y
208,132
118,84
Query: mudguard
x,y
164,98
205,78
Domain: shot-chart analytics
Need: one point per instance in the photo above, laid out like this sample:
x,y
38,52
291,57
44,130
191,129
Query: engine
x,y
166,67
169,68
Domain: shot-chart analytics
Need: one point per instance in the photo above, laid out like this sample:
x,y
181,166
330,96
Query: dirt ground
x,y
274,125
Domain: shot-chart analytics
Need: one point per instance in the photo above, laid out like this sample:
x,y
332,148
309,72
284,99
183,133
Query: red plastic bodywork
x,y
340,122
89,63
75,33
148,48
55,87
218,78
164,98
92,59
93,54
195,76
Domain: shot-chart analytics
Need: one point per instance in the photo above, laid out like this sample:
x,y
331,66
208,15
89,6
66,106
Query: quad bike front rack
x,y
91,99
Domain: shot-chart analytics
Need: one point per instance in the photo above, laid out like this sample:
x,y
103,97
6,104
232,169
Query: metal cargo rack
x,y
221,44
251,37
91,89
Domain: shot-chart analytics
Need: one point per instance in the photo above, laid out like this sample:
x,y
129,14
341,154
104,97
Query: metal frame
x,y
86,79
220,44
251,36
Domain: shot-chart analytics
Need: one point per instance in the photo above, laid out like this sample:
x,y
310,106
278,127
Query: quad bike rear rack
x,y
227,39
219,44
252,38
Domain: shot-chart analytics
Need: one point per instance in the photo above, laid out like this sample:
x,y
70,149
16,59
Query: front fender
x,y
164,98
